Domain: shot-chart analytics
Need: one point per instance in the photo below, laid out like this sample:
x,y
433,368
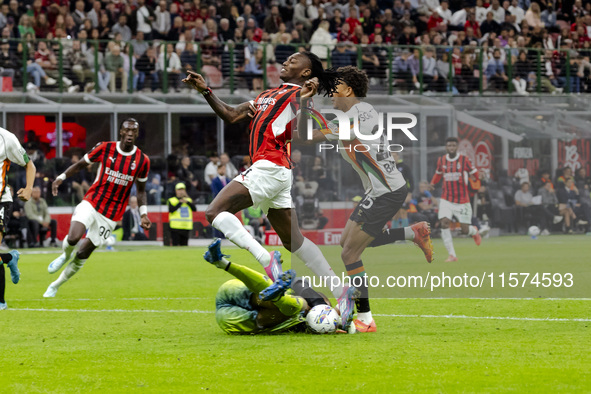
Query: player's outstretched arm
x,y
229,114
142,200
24,194
308,91
72,170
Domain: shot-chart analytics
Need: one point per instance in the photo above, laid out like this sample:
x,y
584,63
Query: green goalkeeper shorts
x,y
233,311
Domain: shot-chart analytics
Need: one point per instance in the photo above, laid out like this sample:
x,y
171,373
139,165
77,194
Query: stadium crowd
x,y
517,45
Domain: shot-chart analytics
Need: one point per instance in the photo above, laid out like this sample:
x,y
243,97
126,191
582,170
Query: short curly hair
x,y
356,79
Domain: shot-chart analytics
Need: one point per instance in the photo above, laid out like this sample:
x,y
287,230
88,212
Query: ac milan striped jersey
x,y
455,174
117,172
271,127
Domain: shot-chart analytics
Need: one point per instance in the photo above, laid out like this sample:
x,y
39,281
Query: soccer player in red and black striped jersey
x,y
121,164
267,184
455,169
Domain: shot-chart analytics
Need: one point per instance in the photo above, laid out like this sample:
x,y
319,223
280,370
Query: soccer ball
x,y
322,319
533,231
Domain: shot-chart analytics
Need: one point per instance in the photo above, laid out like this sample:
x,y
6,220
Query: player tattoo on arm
x,y
229,114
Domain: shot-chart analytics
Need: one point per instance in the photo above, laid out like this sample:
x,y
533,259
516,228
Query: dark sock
x,y
6,257
388,236
311,296
2,283
356,272
362,303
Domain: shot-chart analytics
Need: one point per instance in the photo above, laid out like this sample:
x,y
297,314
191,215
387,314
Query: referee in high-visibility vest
x,y
180,216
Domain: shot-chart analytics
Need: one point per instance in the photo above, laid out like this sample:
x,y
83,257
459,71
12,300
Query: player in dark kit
x,y
120,164
267,184
455,169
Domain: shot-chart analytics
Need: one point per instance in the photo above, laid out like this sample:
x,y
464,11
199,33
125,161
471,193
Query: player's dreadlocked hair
x,y
327,79
356,79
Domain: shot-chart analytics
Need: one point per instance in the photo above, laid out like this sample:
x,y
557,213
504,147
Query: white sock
x,y
472,230
364,317
235,232
409,234
310,254
68,249
447,241
69,271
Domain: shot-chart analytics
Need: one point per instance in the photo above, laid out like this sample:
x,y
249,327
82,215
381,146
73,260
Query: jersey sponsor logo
x,y
118,178
452,176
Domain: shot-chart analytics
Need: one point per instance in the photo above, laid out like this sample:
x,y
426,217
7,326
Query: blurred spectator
x,y
185,175
342,56
551,214
162,21
132,223
80,182
495,72
39,220
79,15
322,41
188,58
154,189
521,71
231,170
255,221
145,16
122,28
48,62
79,67
9,63
180,216
173,68
114,68
211,169
219,182
146,68
95,13
425,203
18,223
253,71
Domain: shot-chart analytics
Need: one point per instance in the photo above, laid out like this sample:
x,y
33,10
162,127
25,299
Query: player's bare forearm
x,y
240,113
142,197
24,194
72,170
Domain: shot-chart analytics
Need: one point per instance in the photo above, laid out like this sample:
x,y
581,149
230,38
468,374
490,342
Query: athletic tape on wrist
x,y
61,177
143,210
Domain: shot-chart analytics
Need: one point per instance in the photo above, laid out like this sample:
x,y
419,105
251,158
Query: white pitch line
x,y
541,319
377,298
108,310
549,319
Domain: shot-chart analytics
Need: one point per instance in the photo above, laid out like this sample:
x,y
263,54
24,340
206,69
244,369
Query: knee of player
x,y
210,214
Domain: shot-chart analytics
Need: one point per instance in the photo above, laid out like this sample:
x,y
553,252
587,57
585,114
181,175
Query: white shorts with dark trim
x,y
98,227
461,211
269,185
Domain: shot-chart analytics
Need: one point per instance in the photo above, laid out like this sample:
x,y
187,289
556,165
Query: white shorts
x,y
461,211
98,227
269,185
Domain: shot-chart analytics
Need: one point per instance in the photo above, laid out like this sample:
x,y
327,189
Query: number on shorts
x,y
103,232
366,203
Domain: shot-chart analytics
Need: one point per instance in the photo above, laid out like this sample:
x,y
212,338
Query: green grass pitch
x,y
141,320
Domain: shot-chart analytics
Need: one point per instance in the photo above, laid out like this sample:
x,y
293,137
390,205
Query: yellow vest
x,y
182,218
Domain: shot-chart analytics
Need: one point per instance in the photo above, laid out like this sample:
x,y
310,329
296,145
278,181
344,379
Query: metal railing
x,y
256,66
